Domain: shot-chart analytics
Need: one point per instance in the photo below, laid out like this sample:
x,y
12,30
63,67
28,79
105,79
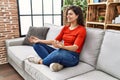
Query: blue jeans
x,y
51,55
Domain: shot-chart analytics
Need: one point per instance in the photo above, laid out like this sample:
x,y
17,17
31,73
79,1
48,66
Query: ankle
x,y
56,67
40,62
35,60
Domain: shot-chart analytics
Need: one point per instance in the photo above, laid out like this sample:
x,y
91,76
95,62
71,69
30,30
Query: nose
x,y
67,16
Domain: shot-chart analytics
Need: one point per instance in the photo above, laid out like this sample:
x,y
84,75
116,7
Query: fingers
x,y
31,39
57,44
54,43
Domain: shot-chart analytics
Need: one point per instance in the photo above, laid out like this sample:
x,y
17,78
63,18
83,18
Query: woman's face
x,y
71,16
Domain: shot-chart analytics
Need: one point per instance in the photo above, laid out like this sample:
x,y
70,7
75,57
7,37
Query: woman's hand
x,y
57,44
33,39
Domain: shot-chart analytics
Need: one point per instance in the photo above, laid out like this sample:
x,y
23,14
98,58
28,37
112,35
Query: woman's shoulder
x,y
66,26
82,27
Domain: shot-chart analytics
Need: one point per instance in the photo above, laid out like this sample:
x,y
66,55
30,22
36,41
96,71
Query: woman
x,y
68,43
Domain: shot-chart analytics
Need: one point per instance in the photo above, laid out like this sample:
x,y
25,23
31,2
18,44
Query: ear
x,y
77,16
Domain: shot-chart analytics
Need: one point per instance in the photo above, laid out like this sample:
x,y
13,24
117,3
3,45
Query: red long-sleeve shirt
x,y
72,37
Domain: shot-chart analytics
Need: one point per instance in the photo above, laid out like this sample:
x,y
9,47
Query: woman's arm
x,y
70,48
58,44
49,42
34,39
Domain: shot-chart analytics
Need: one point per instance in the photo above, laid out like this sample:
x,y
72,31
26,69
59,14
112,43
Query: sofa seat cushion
x,y
42,72
20,53
94,75
109,58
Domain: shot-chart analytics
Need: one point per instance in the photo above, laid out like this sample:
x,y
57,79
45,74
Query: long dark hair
x,y
78,11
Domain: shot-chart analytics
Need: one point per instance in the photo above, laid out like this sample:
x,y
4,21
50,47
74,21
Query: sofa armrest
x,y
14,42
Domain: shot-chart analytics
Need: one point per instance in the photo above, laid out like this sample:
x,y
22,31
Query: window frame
x,y
42,15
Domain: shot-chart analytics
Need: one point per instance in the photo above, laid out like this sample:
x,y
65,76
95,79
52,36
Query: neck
x,y
72,25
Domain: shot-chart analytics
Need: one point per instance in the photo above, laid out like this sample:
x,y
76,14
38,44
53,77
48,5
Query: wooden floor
x,y
8,73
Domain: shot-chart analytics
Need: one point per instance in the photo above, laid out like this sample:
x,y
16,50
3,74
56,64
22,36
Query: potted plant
x,y
101,19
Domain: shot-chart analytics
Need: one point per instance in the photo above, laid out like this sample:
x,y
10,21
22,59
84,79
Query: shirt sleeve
x,y
80,38
60,35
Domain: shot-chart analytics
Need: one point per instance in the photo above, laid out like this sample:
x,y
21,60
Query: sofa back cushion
x,y
92,45
54,30
109,58
39,32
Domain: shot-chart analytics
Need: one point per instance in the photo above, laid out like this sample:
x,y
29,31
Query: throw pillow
x,y
39,32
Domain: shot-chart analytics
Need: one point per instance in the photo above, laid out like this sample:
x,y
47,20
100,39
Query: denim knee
x,y
52,57
35,45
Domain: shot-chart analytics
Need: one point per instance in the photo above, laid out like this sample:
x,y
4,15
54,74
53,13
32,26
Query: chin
x,y
69,21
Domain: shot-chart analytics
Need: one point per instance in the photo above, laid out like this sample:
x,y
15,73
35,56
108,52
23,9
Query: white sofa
x,y
99,59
